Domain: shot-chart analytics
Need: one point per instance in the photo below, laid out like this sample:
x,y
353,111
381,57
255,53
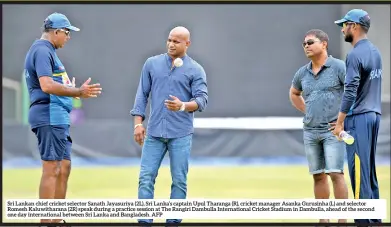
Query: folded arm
x,y
199,90
43,62
143,91
296,99
352,81
295,93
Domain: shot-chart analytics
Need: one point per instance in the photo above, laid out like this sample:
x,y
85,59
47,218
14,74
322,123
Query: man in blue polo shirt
x,y
51,92
361,105
177,85
316,91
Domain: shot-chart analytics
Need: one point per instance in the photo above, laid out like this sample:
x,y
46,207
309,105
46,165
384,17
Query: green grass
x,y
281,182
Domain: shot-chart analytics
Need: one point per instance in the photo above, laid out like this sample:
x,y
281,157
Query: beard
x,y
348,38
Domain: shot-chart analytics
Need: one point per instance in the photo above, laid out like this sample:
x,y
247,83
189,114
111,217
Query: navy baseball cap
x,y
358,16
58,21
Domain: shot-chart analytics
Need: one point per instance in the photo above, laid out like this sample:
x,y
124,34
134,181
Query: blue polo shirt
x,y
158,81
363,79
46,109
322,93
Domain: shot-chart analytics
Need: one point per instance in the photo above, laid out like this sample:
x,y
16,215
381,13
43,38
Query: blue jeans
x,y
153,152
325,154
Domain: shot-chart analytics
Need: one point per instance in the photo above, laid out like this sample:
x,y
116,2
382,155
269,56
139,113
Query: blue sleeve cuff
x,y
200,109
345,106
295,87
137,113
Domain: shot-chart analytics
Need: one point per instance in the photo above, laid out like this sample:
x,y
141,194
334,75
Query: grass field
x,y
267,182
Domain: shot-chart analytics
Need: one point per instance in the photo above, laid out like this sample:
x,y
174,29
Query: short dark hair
x,y
365,23
319,34
364,29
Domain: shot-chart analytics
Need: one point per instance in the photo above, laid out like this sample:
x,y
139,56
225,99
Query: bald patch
x,y
181,32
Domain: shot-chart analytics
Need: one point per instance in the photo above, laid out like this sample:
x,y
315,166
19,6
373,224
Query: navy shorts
x,y
54,142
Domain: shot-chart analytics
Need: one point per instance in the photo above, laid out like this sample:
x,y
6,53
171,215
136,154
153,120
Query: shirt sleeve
x,y
296,82
352,81
143,91
43,62
199,89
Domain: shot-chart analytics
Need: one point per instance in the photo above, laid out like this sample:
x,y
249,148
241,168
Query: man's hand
x,y
174,105
336,129
89,90
139,134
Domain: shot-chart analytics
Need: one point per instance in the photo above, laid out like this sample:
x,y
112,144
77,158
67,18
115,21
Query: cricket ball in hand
x,y
178,62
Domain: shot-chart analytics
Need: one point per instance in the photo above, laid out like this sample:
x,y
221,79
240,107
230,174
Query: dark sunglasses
x,y
309,42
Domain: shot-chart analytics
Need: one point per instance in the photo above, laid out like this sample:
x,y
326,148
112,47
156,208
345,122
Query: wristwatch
x,y
183,107
137,125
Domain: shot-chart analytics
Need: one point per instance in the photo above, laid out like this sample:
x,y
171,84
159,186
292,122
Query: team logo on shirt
x,y
375,73
26,74
65,80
